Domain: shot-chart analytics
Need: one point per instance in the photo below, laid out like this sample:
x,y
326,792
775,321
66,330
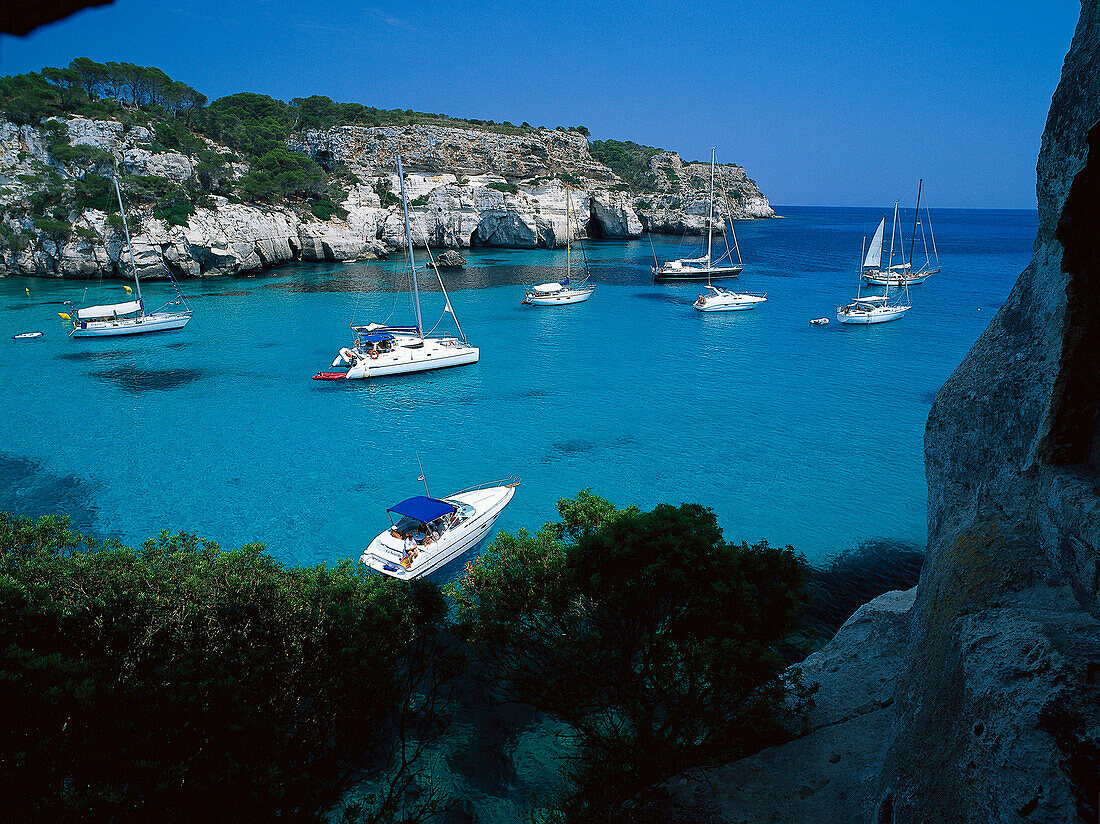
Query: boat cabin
x,y
424,519
378,343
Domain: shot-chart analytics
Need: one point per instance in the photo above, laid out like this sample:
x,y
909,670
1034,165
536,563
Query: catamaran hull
x,y
572,296
876,316
878,280
403,365
688,275
455,542
157,322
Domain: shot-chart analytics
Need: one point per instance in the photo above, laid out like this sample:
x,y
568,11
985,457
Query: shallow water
x,y
804,435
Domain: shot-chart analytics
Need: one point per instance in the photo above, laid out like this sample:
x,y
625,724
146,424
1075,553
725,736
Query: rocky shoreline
x,y
466,188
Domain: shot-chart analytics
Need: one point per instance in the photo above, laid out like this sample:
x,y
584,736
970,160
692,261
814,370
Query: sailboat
x,y
380,350
704,267
902,273
875,308
129,317
565,291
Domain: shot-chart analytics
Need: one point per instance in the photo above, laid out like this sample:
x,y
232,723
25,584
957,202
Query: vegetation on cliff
x,y
629,160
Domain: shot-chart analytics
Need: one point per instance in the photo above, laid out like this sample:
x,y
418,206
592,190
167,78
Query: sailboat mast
x,y
409,240
890,270
916,214
129,244
568,234
710,213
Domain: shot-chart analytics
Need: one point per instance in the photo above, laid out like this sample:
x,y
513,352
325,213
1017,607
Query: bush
x,y
175,209
198,682
629,160
646,632
384,189
325,209
508,188
56,230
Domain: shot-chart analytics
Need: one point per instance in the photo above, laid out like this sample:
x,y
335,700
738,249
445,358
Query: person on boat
x,y
410,551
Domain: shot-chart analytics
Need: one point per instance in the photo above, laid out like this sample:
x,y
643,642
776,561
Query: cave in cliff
x,y
1074,438
594,229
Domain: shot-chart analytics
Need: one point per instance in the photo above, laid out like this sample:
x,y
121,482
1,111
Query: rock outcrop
x,y
466,188
829,771
999,710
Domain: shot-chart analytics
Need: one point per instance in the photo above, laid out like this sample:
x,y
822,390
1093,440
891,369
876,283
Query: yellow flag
x,y
64,316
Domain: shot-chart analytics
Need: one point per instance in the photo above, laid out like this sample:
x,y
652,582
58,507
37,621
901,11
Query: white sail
x,y
874,254
109,310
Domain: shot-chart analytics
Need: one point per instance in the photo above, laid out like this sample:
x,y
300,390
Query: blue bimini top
x,y
423,509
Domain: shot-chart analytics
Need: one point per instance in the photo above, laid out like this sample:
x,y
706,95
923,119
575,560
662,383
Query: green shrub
x,y
175,209
508,188
647,633
419,201
384,189
325,209
629,160
56,230
199,682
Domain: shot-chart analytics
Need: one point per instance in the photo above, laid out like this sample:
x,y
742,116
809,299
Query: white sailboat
x,y
704,267
902,273
380,350
560,293
429,532
876,308
129,317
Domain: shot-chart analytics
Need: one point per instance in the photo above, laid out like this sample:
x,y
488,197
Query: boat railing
x,y
511,480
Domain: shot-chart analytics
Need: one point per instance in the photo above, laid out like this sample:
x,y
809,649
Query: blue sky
x,y
843,103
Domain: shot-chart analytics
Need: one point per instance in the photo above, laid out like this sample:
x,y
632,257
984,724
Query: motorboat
x,y
26,336
128,317
718,299
426,533
380,350
819,322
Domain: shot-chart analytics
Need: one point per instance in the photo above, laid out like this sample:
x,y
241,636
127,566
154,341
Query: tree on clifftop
x,y
646,632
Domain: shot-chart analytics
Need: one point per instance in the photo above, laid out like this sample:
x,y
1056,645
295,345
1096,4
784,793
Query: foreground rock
x,y
450,259
998,718
829,771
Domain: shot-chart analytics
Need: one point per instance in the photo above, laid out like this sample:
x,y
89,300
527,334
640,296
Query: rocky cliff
x,y
985,707
466,188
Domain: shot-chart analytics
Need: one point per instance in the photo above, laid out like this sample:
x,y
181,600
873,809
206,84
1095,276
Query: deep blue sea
x,y
803,435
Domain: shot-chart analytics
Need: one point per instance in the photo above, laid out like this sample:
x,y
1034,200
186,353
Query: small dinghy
x,y
26,336
819,322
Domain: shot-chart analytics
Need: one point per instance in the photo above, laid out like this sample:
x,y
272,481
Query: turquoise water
x,y
803,435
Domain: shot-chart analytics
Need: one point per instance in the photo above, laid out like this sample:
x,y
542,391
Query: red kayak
x,y
330,376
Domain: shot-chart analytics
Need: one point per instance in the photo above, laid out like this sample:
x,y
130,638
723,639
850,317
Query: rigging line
x,y
932,232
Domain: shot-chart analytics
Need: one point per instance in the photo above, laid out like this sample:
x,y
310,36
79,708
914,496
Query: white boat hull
x,y
559,298
694,273
729,302
411,355
156,322
385,552
879,314
898,280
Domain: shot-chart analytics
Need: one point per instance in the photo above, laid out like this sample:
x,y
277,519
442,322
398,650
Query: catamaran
x,y
380,350
902,273
704,267
876,308
428,532
559,293
129,317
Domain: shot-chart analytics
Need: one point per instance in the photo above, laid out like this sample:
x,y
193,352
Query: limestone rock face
x,y
465,188
370,152
829,771
999,712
